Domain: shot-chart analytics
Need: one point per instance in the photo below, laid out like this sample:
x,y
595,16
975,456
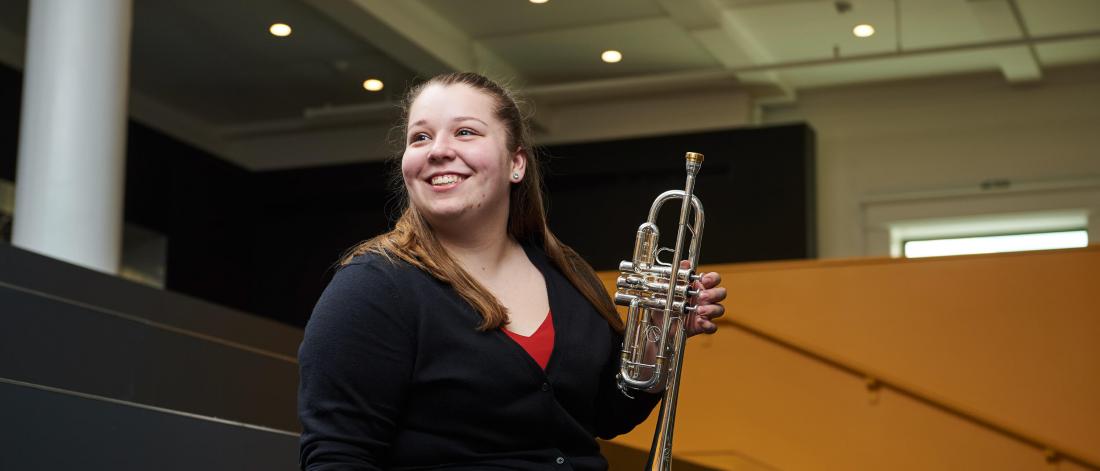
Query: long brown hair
x,y
413,240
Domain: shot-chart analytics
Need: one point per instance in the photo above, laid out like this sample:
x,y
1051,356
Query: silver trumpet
x,y
659,297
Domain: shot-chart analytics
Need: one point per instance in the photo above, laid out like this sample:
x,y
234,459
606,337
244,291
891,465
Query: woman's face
x,y
457,166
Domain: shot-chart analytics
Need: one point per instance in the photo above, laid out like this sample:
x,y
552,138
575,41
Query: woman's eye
x,y
418,137
466,132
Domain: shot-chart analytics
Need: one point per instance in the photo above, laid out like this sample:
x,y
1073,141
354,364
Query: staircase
x,y
100,373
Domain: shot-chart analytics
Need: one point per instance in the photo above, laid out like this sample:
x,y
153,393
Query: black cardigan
x,y
394,375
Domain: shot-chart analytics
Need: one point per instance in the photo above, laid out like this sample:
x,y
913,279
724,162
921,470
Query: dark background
x,y
266,242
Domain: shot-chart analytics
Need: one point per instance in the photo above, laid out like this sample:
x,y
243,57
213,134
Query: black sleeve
x,y
355,362
618,414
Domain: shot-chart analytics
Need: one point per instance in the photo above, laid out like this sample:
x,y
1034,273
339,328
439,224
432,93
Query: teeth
x,y
445,179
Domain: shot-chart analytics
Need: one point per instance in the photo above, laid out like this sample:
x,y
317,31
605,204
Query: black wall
x,y
756,186
266,242
11,94
305,220
203,204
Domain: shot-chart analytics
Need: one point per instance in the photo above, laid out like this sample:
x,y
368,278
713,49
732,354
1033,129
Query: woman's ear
x,y
519,165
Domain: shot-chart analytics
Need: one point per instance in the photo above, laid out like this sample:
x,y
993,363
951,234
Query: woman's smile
x,y
445,181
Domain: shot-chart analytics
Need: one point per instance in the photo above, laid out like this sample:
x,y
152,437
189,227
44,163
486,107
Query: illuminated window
x,y
989,233
996,243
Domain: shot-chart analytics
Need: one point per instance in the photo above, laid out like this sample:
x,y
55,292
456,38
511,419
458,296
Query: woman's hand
x,y
708,303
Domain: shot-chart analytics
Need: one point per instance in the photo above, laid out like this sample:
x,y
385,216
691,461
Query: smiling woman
x,y
452,191
429,347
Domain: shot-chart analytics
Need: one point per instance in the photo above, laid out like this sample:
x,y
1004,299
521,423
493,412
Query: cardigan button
x,y
559,460
546,387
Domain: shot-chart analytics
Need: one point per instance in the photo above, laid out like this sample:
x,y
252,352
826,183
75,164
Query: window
x,y
995,243
989,233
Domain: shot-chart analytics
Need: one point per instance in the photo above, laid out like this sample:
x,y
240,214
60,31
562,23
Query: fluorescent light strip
x,y
996,244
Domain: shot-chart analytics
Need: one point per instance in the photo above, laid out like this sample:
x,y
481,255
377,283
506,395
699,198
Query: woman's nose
x,y
442,148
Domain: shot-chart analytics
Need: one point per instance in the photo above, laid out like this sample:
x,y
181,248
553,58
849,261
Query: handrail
x,y
148,407
1052,452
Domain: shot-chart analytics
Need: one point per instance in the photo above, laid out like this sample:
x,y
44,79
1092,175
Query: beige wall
x,y
1012,339
943,134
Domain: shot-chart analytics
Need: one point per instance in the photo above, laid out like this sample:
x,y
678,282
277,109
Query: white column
x,y
72,138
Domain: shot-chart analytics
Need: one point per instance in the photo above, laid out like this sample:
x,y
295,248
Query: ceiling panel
x,y
487,18
648,47
810,30
1046,17
938,23
225,68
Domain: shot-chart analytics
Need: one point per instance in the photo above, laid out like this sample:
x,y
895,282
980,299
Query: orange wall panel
x,y
1013,339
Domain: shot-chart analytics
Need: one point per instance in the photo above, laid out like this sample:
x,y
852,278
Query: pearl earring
x,y
515,175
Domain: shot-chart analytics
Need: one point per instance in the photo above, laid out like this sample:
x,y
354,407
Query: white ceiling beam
x,y
999,21
739,32
691,14
170,120
417,36
425,28
493,66
634,86
720,31
684,110
407,30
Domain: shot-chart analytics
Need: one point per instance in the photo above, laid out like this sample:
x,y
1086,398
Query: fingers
x,y
709,299
707,327
710,311
702,322
711,280
702,326
712,296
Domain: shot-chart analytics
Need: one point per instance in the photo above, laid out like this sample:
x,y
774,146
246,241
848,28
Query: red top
x,y
540,344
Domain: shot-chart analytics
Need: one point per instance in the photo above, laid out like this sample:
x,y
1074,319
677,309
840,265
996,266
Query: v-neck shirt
x,y
540,344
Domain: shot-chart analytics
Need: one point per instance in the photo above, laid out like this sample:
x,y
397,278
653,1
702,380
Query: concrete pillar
x,y
72,138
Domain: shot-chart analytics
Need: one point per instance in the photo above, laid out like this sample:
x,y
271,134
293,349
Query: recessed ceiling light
x,y
281,30
372,85
611,56
863,30
539,1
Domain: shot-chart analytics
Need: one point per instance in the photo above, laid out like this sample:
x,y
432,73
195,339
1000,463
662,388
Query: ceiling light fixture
x,y
863,30
372,85
539,1
281,30
611,56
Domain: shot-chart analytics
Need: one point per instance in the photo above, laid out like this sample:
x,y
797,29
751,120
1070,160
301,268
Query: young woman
x,y
468,337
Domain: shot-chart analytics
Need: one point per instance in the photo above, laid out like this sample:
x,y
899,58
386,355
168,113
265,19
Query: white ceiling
x,y
208,72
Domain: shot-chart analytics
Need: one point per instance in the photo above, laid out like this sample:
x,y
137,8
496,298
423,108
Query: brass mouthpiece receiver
x,y
694,162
